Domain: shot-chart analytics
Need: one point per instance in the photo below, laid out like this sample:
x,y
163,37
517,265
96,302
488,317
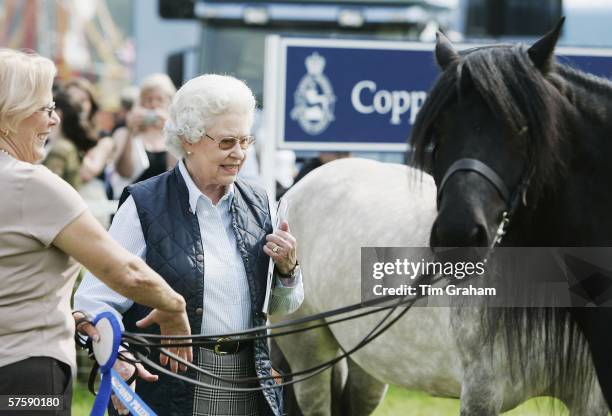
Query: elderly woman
x,y
209,234
44,224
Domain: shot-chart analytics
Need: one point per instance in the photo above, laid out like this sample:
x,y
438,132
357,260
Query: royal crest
x,y
314,97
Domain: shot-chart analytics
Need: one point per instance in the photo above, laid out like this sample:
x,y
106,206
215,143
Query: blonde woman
x,y
44,225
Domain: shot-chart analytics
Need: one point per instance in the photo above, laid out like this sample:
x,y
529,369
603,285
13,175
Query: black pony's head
x,y
489,132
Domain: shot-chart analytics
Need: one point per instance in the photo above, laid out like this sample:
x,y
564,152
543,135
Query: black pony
x,y
508,129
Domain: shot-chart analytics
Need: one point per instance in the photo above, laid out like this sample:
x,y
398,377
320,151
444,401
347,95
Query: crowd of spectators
x,y
100,161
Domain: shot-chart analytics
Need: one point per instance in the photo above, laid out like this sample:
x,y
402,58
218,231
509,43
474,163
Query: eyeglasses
x,y
49,108
227,143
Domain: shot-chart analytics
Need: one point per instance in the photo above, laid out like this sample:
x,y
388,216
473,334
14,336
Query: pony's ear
x,y
542,51
445,52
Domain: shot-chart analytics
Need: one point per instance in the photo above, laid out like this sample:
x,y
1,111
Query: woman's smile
x,y
231,169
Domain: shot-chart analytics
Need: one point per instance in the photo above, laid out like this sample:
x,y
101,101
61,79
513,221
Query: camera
x,y
150,118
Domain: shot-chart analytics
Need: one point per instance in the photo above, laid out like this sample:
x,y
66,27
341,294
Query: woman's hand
x,y
162,115
135,119
84,327
281,246
140,119
126,370
171,323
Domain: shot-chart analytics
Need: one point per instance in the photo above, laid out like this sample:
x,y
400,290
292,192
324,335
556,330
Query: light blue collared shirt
x,y
226,302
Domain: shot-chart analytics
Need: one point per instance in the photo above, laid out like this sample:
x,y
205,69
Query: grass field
x,y
399,402
82,400
409,403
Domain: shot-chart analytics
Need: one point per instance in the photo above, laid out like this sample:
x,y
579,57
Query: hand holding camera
x,y
141,119
150,118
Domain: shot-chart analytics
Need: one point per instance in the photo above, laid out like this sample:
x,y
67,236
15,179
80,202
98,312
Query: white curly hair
x,y
198,102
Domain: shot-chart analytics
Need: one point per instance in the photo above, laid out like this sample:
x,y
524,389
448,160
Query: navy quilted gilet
x,y
174,250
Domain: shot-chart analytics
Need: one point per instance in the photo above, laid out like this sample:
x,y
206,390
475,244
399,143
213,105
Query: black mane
x,y
533,105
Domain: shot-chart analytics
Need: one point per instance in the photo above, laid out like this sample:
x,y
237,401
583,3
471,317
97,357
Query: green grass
x,y
398,402
82,400
410,403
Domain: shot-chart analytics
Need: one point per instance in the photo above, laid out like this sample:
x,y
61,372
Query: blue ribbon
x,y
129,397
111,381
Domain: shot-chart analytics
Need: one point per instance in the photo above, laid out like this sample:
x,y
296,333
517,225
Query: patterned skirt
x,y
212,402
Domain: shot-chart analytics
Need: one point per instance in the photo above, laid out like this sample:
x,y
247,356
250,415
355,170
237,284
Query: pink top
x,y
36,278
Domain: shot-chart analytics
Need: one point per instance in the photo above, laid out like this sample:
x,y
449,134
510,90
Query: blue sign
x,y
600,64
364,95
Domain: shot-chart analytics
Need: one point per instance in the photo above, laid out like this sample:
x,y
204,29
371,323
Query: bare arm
x,y
123,152
86,241
96,158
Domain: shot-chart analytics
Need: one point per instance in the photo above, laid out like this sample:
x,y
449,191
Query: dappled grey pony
x,y
352,203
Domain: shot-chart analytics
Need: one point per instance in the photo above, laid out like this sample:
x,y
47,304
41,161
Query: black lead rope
x,y
261,332
138,341
140,346
264,328
374,333
406,301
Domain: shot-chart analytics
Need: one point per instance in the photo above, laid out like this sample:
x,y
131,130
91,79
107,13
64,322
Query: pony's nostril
x,y
479,236
458,235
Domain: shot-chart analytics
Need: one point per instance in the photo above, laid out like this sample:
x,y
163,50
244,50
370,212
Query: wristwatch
x,y
292,273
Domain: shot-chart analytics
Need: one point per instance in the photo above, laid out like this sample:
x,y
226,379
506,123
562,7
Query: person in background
x,y
209,234
127,100
141,151
312,164
95,153
45,224
82,93
63,156
284,171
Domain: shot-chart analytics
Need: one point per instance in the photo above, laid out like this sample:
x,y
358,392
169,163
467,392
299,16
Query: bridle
x,y
512,200
140,345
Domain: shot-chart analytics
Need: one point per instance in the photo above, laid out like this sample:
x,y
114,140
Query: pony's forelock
x,y
525,100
